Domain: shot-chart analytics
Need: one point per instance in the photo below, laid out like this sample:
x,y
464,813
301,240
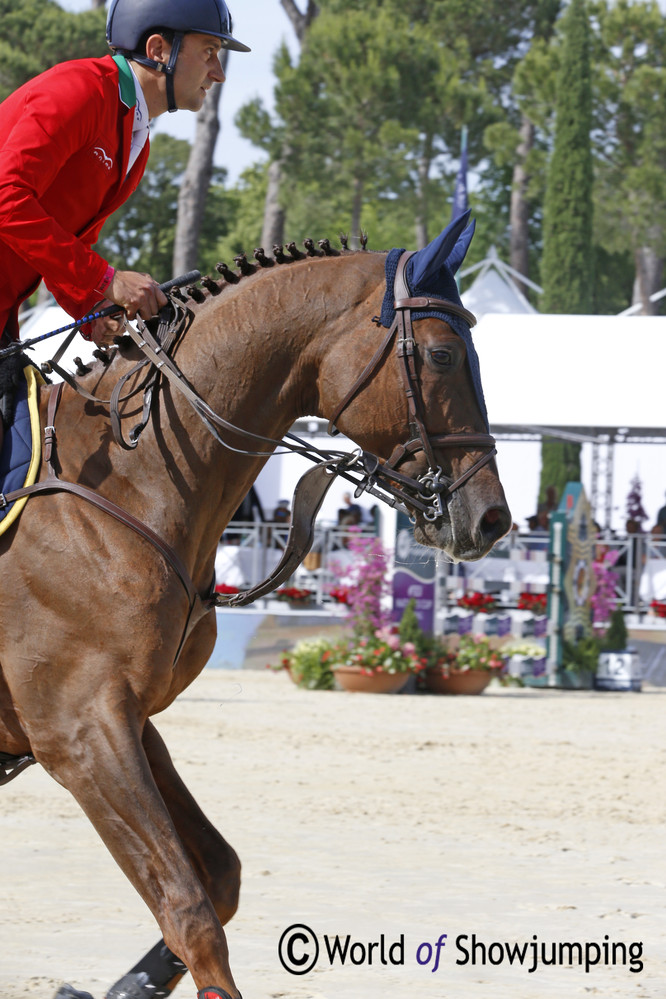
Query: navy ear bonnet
x,y
429,272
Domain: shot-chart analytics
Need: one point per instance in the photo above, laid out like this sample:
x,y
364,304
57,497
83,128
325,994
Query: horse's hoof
x,y
68,992
212,993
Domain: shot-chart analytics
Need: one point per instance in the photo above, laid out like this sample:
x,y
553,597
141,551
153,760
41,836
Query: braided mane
x,y
210,287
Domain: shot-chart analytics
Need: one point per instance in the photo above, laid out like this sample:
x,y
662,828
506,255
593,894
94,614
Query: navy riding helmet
x,y
129,21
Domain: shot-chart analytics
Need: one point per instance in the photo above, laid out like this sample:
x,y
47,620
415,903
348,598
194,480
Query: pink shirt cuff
x,y
106,280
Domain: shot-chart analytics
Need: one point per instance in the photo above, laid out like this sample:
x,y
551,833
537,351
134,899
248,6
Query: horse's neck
x,y
254,354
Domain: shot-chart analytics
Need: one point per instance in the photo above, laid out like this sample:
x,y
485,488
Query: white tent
x,y
594,379
495,288
589,374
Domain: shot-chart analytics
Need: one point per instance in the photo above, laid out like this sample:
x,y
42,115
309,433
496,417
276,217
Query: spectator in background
x,y
249,511
661,520
281,517
282,513
350,513
630,562
550,503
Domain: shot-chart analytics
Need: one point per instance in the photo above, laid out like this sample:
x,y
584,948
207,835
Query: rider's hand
x,y
136,293
104,331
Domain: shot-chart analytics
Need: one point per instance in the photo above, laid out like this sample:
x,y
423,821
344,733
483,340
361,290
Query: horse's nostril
x,y
495,522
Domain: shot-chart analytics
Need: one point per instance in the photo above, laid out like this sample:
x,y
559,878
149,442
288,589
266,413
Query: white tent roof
x,y
495,288
585,373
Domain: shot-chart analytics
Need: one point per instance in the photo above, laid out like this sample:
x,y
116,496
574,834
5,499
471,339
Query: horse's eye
x,y
442,357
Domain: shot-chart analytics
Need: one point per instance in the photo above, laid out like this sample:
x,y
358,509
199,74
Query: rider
x,y
74,145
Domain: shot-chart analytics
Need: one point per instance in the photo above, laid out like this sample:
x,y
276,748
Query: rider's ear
x,y
158,48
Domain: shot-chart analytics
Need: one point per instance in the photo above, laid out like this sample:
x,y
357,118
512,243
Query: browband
x,y
403,300
441,304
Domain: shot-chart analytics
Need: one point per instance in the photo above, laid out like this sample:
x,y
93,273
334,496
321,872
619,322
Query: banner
x,y
414,576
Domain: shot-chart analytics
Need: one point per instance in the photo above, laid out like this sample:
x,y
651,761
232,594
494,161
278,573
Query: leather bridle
x,y
427,491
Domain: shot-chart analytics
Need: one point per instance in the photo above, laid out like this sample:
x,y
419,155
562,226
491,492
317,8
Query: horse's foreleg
x,y
109,774
215,862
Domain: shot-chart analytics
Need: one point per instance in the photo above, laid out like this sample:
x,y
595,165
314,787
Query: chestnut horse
x,y
106,611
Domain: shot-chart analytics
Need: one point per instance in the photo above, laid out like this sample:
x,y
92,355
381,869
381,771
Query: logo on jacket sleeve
x,y
103,157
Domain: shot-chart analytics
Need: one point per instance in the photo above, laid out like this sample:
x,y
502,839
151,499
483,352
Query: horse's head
x,y
443,469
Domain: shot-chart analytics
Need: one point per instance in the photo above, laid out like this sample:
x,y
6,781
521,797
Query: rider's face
x,y
197,69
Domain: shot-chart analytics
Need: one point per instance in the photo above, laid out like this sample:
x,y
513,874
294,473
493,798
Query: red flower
x,y
534,602
482,603
293,593
659,608
225,588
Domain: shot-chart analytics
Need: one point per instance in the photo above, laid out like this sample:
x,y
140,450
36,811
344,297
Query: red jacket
x,y
65,138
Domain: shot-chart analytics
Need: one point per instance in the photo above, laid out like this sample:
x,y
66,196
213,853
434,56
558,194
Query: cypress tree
x,y
568,207
567,265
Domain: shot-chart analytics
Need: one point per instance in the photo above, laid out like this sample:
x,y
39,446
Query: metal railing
x,y
249,551
521,562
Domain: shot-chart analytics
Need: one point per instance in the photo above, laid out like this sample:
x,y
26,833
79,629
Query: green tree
x,y
567,267
244,213
629,139
37,34
375,106
567,270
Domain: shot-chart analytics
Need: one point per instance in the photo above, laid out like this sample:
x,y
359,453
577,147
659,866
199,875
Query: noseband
x,y
427,492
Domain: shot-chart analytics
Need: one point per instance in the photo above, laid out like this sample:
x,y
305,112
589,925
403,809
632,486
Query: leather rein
x,y
366,471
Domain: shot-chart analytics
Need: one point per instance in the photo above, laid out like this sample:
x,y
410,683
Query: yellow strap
x,y
34,380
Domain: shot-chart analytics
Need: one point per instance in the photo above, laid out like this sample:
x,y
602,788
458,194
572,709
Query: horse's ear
x,y
427,263
459,251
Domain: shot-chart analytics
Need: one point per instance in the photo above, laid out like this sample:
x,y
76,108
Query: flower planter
x,y
351,678
618,670
468,681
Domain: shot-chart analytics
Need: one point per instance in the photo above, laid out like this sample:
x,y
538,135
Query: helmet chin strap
x,y
168,68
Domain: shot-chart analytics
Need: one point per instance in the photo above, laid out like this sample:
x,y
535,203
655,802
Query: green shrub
x,y
309,663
